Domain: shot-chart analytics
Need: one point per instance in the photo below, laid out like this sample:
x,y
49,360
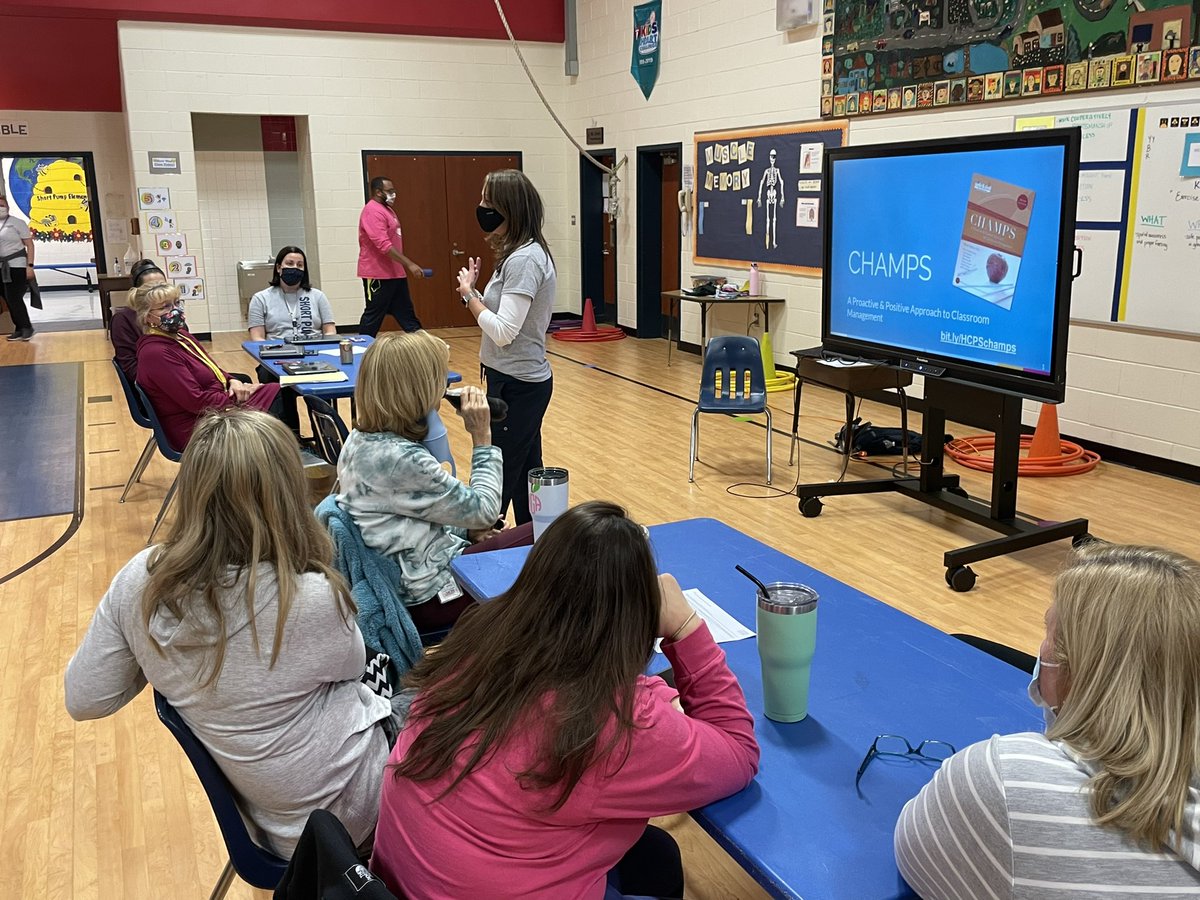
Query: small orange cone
x,y
589,331
1047,442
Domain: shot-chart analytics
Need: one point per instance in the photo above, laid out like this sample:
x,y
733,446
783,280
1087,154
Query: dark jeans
x,y
652,867
14,297
388,295
288,413
433,615
519,436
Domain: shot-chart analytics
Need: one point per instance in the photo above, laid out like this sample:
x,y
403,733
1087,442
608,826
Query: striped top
x,y
1009,818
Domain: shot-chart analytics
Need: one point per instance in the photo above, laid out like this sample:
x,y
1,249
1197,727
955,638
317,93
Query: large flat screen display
x,y
955,255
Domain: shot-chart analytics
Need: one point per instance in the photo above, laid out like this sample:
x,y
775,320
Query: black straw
x,y
762,587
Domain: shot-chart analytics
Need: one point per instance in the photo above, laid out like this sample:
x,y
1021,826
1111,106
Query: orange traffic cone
x,y
1046,443
589,331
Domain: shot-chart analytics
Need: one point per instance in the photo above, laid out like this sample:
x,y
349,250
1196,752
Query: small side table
x,y
108,284
851,380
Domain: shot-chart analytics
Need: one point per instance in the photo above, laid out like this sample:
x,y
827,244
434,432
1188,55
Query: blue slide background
x,y
916,204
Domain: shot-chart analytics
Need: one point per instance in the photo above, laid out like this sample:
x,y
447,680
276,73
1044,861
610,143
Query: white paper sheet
x,y
724,627
337,351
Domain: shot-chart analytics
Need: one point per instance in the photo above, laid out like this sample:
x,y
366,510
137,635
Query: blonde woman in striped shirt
x,y
1107,802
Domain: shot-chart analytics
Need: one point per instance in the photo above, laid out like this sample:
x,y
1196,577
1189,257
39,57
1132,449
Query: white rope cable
x,y
610,172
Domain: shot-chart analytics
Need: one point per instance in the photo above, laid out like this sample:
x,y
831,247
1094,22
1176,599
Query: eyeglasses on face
x,y
896,745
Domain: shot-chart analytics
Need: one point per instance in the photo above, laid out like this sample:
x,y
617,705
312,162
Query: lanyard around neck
x,y
197,351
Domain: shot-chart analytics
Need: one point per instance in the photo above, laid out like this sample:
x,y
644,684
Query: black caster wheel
x,y
1080,539
960,578
957,492
810,507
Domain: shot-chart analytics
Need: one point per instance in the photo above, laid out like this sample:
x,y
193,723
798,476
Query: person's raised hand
x,y
473,409
468,275
675,612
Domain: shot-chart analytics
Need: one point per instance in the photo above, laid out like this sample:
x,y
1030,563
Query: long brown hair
x,y
512,194
570,636
242,501
1128,641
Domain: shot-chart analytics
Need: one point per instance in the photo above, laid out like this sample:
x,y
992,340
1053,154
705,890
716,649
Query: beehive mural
x,y
58,205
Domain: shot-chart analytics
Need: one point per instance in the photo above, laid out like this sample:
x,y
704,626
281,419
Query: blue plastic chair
x,y
732,361
165,448
327,427
437,441
256,866
138,414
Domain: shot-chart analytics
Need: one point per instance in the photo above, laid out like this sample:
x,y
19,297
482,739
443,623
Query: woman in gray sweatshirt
x,y
240,621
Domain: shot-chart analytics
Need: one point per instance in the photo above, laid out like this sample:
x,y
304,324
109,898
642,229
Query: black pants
x,y
14,298
388,295
519,436
288,413
651,868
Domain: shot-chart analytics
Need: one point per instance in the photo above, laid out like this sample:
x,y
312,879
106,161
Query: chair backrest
x,y
136,412
437,441
160,436
254,864
327,427
734,358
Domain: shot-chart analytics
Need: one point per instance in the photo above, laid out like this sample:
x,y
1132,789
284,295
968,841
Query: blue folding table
x,y
801,829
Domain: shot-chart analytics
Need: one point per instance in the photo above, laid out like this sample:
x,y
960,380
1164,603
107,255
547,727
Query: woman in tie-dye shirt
x,y
405,504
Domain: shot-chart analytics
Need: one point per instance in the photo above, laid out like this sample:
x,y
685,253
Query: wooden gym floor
x,y
111,808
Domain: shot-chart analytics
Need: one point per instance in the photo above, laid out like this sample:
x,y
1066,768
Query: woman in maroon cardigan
x,y
180,379
124,328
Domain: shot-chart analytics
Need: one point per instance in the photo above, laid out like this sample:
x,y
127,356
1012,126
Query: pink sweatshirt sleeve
x,y
376,225
679,761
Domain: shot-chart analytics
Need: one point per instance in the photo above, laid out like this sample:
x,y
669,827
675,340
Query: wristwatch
x,y
466,301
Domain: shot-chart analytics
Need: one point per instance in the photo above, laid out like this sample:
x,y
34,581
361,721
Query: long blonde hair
x,y
242,501
403,377
1128,640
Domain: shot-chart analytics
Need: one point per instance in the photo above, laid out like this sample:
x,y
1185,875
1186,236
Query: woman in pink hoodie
x,y
537,751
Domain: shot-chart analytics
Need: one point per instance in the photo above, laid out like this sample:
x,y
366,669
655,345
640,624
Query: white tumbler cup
x,y
547,497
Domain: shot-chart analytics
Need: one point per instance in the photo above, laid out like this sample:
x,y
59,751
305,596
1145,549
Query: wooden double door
x,y
436,196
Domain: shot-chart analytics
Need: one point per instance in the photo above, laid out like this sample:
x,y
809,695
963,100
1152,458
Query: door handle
x,y
457,252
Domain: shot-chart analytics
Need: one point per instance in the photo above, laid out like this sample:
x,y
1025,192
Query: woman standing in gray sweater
x,y
239,620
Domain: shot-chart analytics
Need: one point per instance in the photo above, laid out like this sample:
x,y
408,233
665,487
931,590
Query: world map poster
x,y
898,55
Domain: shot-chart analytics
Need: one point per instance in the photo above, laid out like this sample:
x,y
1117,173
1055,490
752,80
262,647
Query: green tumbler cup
x,y
787,637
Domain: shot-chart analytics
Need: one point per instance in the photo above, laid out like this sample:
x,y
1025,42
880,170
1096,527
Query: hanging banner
x,y
647,25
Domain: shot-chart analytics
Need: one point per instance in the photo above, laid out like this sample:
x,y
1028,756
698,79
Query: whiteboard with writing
x,y
1162,240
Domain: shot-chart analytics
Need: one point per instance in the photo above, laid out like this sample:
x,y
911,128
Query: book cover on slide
x,y
993,239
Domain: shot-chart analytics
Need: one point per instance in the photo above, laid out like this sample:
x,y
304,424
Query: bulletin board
x,y
758,195
1138,214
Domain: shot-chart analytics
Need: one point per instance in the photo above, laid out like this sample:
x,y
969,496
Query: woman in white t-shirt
x,y
291,307
16,270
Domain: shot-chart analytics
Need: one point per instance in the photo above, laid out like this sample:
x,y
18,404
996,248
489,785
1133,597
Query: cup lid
x,y
548,475
787,598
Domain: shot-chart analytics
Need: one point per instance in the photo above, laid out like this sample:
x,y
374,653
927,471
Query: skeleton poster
x,y
758,194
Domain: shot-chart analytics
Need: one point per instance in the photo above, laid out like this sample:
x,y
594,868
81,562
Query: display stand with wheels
x,y
978,407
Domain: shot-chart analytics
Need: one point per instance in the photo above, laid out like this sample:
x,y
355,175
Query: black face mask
x,y
489,219
291,276
173,321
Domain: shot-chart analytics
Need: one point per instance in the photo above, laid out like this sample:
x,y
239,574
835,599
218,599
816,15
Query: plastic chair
x,y
437,441
165,448
138,414
731,359
327,427
256,866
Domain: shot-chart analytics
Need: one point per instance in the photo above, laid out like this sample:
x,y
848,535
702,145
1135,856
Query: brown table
x,y
108,284
851,380
677,297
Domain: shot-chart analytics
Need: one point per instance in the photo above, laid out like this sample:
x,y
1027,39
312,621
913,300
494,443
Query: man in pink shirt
x,y
382,263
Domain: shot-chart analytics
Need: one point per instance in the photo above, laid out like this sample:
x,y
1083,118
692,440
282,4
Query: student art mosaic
x,y
917,54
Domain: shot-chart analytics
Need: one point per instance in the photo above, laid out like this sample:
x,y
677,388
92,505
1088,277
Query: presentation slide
x,y
949,254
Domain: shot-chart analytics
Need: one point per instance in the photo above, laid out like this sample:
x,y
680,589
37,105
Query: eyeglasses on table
x,y
897,745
